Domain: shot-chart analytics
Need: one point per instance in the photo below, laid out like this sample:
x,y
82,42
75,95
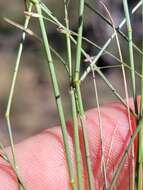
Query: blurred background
x,y
33,106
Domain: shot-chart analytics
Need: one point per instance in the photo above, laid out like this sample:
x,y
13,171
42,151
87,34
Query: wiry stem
x,y
131,53
57,96
76,141
140,141
78,93
8,109
86,146
68,40
74,109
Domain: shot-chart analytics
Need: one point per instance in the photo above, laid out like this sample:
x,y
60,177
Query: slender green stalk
x,y
132,64
8,109
74,110
78,93
140,141
57,96
76,141
86,146
79,40
68,39
131,53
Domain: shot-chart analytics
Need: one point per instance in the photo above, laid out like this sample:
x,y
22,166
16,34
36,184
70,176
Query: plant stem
x,y
8,109
131,53
86,146
78,93
74,110
57,96
140,140
76,141
68,40
79,40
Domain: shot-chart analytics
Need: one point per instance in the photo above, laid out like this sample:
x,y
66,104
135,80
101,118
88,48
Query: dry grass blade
x,y
27,30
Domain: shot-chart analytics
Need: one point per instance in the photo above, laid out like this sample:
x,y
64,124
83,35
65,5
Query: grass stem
x,y
131,53
76,141
78,93
57,96
8,109
140,140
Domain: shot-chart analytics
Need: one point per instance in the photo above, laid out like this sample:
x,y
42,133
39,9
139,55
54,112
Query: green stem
x,y
79,40
86,146
131,53
57,96
8,109
68,40
76,141
140,140
78,93
74,110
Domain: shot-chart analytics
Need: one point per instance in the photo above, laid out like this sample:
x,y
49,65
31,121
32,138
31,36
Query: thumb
x,y
42,161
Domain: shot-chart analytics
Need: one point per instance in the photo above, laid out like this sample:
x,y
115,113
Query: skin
x,y
42,162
